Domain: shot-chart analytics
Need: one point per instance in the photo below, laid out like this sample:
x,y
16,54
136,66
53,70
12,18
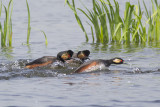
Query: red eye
x,y
69,56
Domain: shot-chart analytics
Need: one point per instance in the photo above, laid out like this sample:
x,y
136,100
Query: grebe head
x,y
64,55
83,54
117,60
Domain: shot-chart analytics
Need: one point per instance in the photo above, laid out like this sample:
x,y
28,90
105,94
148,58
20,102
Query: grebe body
x,y
47,60
98,64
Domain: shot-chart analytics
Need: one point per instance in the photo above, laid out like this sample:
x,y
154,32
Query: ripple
x,y
16,70
154,101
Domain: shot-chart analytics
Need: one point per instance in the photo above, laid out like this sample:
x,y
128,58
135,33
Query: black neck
x,y
108,62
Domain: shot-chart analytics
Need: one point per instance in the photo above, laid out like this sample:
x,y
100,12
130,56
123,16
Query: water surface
x,y
136,83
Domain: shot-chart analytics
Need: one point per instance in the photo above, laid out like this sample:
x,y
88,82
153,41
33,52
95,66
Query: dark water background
x,y
135,84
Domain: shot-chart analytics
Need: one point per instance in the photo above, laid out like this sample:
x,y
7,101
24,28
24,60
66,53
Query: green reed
x,y
0,8
154,22
29,27
46,42
6,29
107,25
29,21
77,17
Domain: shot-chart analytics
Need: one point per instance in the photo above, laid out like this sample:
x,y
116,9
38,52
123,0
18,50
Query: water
x,y
129,85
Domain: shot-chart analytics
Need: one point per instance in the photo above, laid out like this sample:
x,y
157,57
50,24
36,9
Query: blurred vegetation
x,y
6,27
108,26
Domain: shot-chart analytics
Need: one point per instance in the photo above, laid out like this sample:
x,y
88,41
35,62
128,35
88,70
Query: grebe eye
x,y
69,55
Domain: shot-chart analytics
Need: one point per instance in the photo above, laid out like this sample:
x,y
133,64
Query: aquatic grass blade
x,y
5,28
117,28
46,42
77,17
0,8
10,23
29,26
146,10
92,34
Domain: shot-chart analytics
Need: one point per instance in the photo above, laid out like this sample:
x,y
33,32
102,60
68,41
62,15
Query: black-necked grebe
x,y
46,60
99,64
79,58
83,55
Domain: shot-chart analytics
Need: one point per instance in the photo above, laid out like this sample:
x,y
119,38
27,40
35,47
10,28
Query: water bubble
x,y
137,70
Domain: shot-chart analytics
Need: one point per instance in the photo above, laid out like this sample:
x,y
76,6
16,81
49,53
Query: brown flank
x,y
38,65
85,67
